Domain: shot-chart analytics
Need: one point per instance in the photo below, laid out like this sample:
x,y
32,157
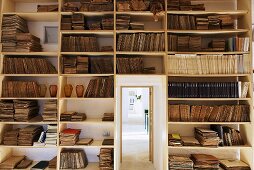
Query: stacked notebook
x,y
73,116
50,110
25,110
20,89
206,113
29,134
51,135
11,137
100,88
106,158
27,42
69,137
174,140
6,111
141,42
203,161
27,65
207,137
79,44
123,22
73,159
108,117
180,162
11,26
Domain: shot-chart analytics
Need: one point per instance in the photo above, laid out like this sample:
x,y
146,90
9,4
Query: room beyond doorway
x,y
137,129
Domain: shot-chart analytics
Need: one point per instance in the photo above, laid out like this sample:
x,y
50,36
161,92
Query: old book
x,y
189,141
85,141
11,162
234,164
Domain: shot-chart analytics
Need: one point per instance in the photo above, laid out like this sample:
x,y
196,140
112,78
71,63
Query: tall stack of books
x,y
106,158
202,23
50,110
51,135
29,134
11,137
207,137
204,161
123,22
78,21
82,64
27,42
25,110
100,88
180,162
227,22
6,111
108,117
11,25
107,23
69,137
66,23
73,159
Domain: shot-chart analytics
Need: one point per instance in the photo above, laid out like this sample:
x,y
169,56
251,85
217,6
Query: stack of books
x,y
214,22
6,111
27,42
27,65
66,22
53,163
141,42
69,137
130,65
82,64
20,89
11,25
73,159
51,135
217,45
101,65
29,134
50,110
184,5
183,22
204,161
234,164
137,26
207,137
107,23
195,43
108,117
79,44
209,113
180,162
73,116
69,64
25,110
227,22
202,23
47,8
174,140
123,22
78,21
11,137
106,158
100,88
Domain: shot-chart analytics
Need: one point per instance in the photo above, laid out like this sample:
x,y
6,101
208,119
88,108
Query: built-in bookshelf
x,y
202,47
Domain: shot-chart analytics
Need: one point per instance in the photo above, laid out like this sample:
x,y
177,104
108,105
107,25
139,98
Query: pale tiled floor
x,y
135,148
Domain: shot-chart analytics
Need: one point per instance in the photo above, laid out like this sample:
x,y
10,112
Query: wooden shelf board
x,y
208,75
139,31
139,53
90,13
97,32
89,122
203,52
86,75
218,12
212,148
87,53
36,16
95,144
28,98
49,54
222,31
30,75
142,13
208,123
208,99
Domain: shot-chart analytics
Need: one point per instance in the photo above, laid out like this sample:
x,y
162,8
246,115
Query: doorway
x,y
136,128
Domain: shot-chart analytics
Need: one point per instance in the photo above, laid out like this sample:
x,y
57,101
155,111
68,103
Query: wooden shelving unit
x,y
95,107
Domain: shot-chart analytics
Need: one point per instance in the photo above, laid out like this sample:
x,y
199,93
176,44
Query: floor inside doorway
x,y
135,148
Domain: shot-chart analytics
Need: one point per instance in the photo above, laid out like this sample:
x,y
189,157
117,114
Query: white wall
x,y
159,111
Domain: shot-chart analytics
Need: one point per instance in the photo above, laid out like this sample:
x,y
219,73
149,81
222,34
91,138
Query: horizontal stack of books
x,y
7,111
208,89
108,117
107,23
207,137
75,64
79,44
78,21
26,42
27,65
69,137
180,162
130,65
20,89
29,134
73,159
174,140
51,136
25,110
141,42
123,22
209,113
208,64
184,5
100,88
50,110
137,26
189,141
11,137
106,158
72,116
204,161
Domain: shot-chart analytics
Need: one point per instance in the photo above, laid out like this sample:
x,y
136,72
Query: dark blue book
x,y
40,165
